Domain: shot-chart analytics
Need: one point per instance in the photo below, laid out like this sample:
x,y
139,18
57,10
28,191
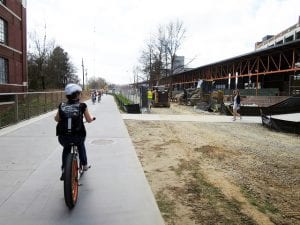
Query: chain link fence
x,y
15,107
130,92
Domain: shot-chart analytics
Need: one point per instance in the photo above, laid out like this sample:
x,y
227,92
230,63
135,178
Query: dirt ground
x,y
219,173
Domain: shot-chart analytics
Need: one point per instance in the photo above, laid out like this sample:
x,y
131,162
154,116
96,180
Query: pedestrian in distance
x,y
236,104
70,126
149,97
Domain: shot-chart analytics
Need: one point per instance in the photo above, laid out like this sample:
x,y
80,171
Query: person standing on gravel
x,y
236,104
149,97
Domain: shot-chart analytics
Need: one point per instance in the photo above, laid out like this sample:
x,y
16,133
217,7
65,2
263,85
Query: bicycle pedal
x,y
86,168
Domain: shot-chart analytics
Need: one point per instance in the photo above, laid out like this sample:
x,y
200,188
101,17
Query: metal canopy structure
x,y
279,60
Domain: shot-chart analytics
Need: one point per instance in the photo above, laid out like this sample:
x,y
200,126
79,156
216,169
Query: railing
x,y
128,98
15,107
254,92
131,93
294,85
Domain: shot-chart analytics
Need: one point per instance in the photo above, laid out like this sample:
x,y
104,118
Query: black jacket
x,y
59,127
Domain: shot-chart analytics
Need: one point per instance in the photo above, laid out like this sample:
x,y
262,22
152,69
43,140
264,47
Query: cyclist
x,y
94,95
99,96
78,134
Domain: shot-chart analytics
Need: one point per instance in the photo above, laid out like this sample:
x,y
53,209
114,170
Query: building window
x,y
3,71
3,31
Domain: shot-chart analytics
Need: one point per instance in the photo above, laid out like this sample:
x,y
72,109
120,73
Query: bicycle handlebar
x,y
94,118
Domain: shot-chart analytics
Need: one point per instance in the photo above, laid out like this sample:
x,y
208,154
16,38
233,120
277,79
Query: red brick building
x,y
13,56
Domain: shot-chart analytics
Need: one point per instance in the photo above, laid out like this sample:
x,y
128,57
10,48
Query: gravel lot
x,y
219,173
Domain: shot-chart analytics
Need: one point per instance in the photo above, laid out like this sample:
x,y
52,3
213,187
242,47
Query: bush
x,y
123,100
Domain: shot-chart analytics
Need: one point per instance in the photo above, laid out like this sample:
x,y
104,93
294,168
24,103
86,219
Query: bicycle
x,y
72,173
94,99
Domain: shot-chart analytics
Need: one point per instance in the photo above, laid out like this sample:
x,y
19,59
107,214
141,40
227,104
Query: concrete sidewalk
x,y
193,118
114,191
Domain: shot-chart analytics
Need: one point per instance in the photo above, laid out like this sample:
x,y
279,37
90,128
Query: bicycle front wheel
x,y
71,181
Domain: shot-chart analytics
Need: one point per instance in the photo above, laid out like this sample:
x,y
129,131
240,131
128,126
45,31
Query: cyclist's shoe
x,y
62,177
86,167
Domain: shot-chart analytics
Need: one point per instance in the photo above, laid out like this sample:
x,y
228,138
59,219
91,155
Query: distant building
x,y
178,64
13,56
290,34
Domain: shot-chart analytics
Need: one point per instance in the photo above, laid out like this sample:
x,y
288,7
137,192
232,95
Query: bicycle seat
x,y
72,144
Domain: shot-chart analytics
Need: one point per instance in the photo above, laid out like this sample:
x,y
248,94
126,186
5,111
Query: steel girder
x,y
277,60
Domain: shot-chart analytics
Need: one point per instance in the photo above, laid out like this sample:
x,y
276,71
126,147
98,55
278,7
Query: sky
x,y
110,35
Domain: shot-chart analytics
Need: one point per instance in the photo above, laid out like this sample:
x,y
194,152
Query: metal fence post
x,y
28,105
17,108
45,102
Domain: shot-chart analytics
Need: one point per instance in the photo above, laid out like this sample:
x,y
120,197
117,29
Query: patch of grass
x,y
256,201
201,187
165,205
182,166
172,168
205,149
158,155
207,202
215,208
270,207
122,99
211,151
250,196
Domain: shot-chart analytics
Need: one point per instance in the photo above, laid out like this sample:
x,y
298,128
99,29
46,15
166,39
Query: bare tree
x,y
160,54
49,66
158,57
97,83
174,39
136,71
146,60
40,55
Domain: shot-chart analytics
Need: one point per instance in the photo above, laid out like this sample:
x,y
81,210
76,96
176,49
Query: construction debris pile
x,y
202,100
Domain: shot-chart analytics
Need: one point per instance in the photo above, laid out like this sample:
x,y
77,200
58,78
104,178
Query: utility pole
x,y
166,58
86,80
150,74
82,74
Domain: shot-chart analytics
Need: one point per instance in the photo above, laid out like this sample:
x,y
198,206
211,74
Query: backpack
x,y
238,100
70,118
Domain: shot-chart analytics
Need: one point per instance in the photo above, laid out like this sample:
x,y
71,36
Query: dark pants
x,y
79,142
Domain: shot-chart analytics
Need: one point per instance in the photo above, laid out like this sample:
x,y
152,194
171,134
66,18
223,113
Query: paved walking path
x,y
192,118
295,117
114,191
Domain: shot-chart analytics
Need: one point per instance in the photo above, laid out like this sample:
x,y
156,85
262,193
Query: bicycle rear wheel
x,y
71,181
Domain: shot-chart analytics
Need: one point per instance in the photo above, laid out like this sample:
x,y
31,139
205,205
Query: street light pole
x,y
86,80
82,74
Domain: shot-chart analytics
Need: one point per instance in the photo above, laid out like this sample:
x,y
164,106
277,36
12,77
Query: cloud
x,y
109,35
